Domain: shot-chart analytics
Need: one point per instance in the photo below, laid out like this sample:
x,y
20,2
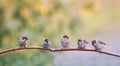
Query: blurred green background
x,y
51,18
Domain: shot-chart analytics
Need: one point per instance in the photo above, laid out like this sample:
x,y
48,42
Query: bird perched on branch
x,y
97,44
65,41
82,43
46,43
22,41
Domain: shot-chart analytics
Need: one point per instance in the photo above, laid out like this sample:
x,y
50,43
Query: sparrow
x,y
65,41
22,41
97,44
46,43
81,43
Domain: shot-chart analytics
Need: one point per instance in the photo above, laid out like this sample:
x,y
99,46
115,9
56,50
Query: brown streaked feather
x,y
85,41
101,42
25,37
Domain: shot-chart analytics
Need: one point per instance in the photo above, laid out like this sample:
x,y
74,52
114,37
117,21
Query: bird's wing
x,y
85,41
101,42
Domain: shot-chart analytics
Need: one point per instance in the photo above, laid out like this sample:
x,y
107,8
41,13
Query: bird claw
x,y
52,50
22,47
100,51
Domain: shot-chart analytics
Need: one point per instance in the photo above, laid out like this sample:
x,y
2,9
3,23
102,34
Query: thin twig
x,y
78,49
57,50
22,48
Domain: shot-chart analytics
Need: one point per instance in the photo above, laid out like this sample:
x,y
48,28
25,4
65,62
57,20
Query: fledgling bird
x,y
82,43
46,43
22,41
97,44
65,41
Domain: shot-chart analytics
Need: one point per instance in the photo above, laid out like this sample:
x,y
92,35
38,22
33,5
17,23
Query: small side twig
x,y
57,50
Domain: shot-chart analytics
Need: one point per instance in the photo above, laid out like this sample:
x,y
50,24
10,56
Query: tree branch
x,y
57,50
22,48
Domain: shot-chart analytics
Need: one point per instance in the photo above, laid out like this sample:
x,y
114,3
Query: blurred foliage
x,y
49,18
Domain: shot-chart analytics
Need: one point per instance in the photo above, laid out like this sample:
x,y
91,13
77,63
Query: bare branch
x,y
57,50
23,48
77,49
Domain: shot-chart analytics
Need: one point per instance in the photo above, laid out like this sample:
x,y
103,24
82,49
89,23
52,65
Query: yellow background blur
x,y
52,18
